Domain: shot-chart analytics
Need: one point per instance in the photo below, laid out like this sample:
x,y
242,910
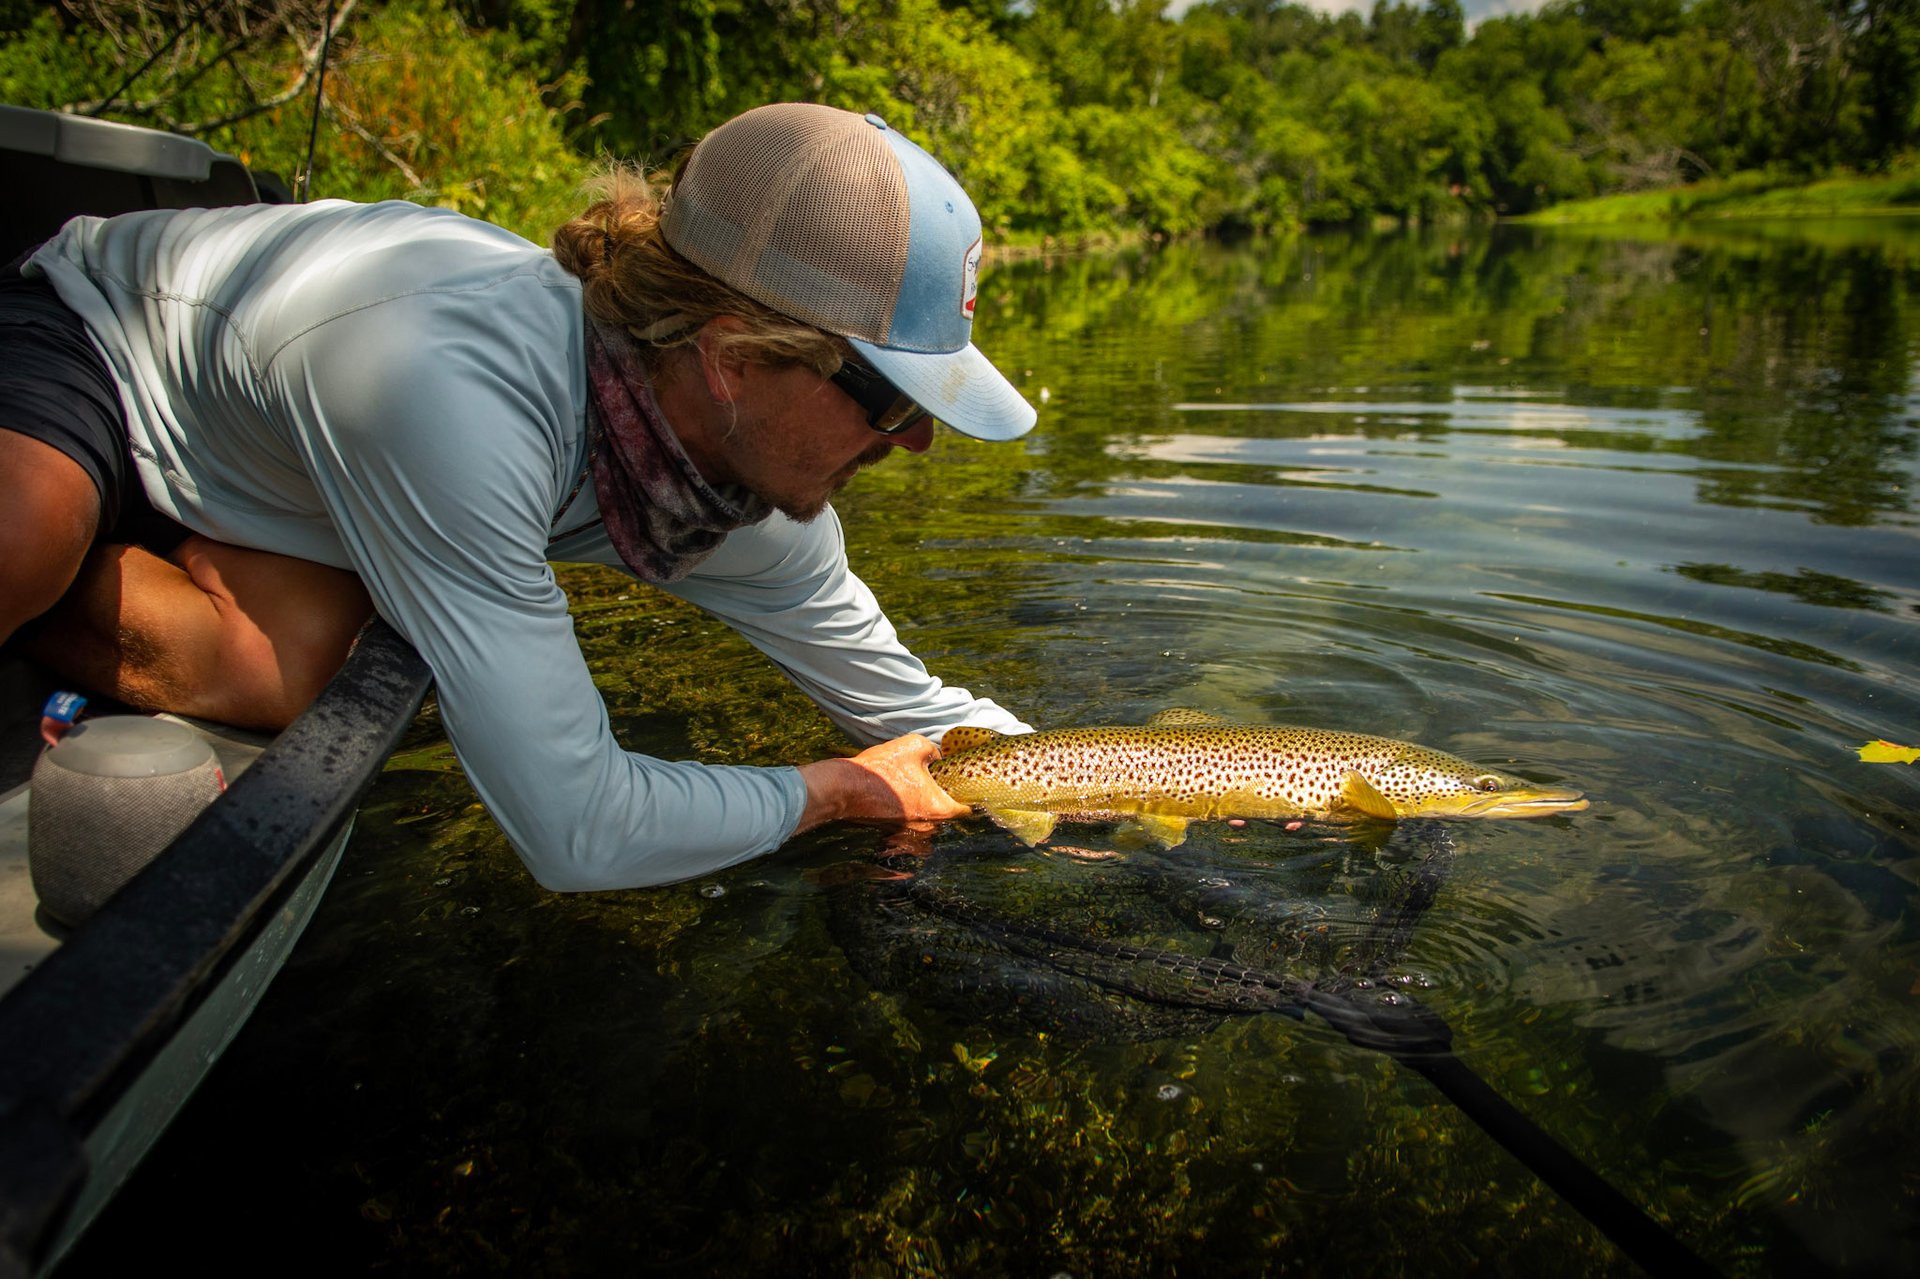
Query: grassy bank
x,y
1753,195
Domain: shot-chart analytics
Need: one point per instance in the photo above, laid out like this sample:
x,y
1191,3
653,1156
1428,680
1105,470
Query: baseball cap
x,y
839,221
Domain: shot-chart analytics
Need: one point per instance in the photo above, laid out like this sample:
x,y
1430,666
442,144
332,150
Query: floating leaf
x,y
1888,753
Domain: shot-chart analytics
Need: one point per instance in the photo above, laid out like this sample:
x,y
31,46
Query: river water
x,y
1633,515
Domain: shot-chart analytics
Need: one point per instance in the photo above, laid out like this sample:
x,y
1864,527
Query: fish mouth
x,y
1530,803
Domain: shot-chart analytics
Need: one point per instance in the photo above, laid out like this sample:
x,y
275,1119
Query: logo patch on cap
x,y
970,280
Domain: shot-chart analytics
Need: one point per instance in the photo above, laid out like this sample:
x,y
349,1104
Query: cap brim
x,y
961,388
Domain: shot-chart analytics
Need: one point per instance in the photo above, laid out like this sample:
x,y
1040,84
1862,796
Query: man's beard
x,y
804,510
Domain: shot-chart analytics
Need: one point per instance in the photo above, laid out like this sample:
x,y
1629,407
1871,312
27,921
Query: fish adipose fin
x,y
1168,832
1027,825
1358,794
1181,717
966,737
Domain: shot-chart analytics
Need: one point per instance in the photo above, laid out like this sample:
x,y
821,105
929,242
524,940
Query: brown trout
x,y
1186,766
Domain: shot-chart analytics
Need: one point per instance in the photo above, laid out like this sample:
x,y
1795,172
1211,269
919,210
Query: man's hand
x,y
888,782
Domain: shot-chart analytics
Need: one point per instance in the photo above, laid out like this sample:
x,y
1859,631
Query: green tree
x,y
1063,117
1417,35
418,105
1634,21
1886,39
1514,67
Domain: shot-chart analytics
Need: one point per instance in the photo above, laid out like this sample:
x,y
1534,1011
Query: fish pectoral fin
x,y
1358,794
1168,832
1182,717
1027,825
966,737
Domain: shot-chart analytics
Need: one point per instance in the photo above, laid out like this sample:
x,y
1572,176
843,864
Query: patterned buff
x,y
662,517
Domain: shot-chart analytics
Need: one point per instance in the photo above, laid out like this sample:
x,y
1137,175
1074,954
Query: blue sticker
x,y
64,707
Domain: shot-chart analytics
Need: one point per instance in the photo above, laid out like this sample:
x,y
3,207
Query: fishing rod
x,y
1385,1021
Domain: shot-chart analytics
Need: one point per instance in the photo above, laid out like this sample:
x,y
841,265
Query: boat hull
x,y
109,1033
123,1137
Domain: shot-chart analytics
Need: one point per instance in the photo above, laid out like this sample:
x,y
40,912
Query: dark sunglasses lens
x,y
890,411
901,416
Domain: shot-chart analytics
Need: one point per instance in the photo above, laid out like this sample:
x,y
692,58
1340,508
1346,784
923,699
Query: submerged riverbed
x,y
1636,516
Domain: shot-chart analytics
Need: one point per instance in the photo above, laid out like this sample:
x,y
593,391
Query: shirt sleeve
x,y
788,589
440,475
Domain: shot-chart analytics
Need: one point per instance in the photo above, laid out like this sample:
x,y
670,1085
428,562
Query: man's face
x,y
800,438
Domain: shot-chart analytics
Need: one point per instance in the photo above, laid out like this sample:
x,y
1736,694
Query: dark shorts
x,y
56,388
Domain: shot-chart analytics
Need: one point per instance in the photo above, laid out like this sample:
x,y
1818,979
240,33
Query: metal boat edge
x,y
103,1041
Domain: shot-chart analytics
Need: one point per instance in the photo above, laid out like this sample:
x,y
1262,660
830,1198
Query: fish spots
x,y
1203,769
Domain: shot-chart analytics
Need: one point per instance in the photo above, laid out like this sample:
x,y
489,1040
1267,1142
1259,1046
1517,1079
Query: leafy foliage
x,y
1062,117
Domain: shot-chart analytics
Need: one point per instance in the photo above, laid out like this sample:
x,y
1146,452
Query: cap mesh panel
x,y
802,208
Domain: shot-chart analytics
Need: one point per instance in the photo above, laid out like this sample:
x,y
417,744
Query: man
x,y
337,407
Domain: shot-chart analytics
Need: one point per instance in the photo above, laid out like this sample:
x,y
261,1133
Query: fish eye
x,y
1487,782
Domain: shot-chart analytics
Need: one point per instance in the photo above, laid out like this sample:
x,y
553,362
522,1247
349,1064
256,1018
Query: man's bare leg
x,y
242,636
47,521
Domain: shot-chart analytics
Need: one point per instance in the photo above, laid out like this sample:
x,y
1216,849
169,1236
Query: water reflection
x,y
1638,515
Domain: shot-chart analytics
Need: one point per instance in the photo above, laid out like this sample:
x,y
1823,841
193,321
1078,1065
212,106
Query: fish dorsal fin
x,y
966,737
1027,825
1358,794
1182,717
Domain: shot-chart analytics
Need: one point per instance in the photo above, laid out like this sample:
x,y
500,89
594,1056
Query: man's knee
x,y
273,676
285,627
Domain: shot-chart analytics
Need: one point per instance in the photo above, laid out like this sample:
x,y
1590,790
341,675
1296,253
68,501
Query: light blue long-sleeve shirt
x,y
402,392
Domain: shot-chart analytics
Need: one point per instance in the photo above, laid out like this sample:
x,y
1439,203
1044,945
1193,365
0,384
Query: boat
x,y
107,1026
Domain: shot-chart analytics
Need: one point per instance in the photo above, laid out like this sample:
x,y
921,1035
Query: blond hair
x,y
629,275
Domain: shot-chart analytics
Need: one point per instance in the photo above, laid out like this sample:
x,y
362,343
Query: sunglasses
x,y
890,411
